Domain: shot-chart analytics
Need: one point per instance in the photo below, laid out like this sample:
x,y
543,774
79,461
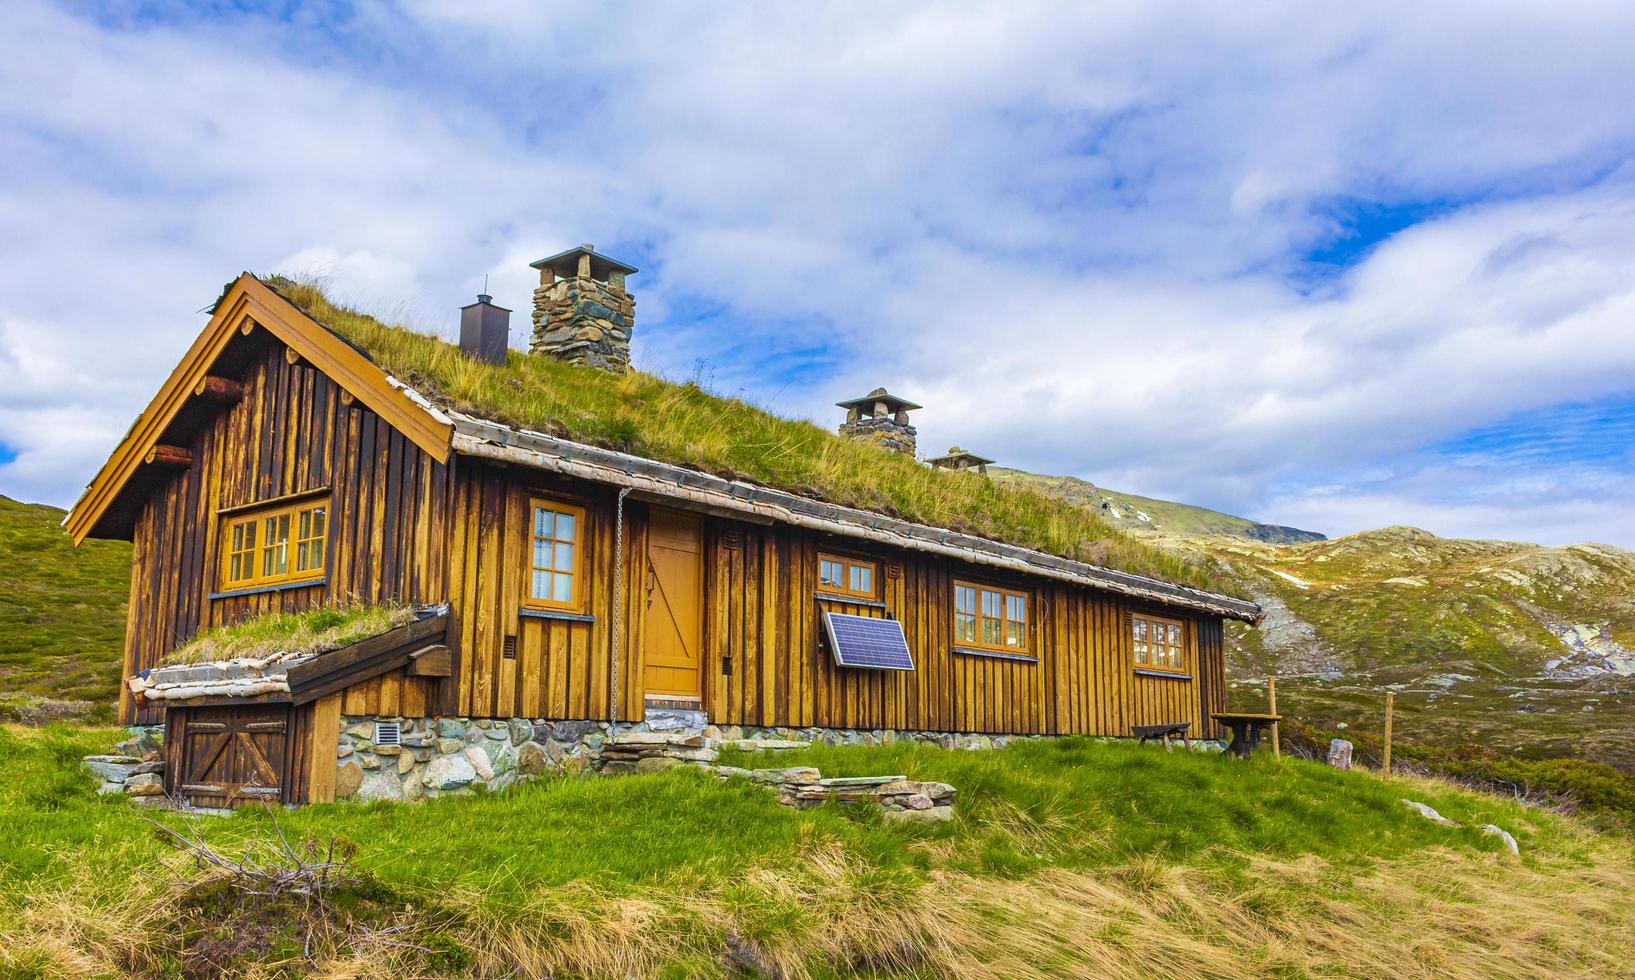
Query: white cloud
x,y
1070,231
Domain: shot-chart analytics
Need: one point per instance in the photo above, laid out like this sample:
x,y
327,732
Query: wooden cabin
x,y
280,468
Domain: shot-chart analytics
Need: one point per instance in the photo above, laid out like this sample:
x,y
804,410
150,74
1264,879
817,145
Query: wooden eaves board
x,y
246,304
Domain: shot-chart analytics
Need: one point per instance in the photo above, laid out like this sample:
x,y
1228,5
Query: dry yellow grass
x,y
1443,913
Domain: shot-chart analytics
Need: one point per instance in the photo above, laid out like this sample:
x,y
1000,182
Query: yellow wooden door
x,y
675,604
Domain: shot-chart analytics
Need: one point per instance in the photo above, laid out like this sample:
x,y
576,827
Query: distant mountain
x,y
1511,645
62,616
1129,511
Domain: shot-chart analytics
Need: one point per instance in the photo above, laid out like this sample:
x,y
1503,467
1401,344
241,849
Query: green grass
x,y
313,631
1066,856
62,614
686,425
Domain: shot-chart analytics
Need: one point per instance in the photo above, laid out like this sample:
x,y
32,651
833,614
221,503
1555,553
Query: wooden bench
x,y
1166,732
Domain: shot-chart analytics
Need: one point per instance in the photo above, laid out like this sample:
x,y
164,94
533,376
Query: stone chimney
x,y
485,330
881,418
960,460
582,313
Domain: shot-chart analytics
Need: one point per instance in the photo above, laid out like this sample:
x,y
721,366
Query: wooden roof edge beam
x,y
179,457
219,389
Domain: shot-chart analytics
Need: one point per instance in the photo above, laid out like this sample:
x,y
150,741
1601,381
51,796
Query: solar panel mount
x,y
866,642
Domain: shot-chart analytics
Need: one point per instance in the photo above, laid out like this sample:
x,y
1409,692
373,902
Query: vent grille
x,y
508,650
388,733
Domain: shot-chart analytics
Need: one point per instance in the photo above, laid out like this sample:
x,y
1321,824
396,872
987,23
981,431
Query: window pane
x,y
965,628
990,603
540,588
302,557
564,557
317,555
1016,608
544,523
542,553
862,578
564,527
320,522
562,588
990,631
964,599
829,573
1015,635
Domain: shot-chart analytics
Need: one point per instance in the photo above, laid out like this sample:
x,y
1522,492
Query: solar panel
x,y
862,641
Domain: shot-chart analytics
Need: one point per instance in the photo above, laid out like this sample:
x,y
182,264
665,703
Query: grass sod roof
x,y
684,425
312,632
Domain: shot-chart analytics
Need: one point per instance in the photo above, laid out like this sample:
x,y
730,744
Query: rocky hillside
x,y
1497,643
1146,514
1508,645
62,616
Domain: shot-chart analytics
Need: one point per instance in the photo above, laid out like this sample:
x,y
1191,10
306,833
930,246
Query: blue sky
x,y
1376,269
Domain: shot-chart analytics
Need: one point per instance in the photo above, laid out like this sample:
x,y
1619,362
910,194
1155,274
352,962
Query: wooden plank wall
x,y
291,433
763,621
405,527
561,669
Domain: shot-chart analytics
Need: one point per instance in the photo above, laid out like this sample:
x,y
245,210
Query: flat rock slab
x,y
766,744
659,738
843,782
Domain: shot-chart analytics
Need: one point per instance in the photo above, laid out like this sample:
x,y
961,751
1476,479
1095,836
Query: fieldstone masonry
x,y
584,320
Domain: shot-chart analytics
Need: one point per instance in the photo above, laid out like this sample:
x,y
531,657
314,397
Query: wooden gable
x,y
247,305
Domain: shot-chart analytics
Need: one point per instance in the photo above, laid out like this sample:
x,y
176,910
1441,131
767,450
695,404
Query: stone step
x,y
847,782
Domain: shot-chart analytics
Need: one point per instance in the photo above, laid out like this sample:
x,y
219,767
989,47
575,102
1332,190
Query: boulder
x,y
362,729
917,801
1339,753
531,760
449,746
381,786
145,789
147,767
449,772
405,762
1503,835
1428,813
347,780
450,728
478,758
521,731
936,814
113,768
143,779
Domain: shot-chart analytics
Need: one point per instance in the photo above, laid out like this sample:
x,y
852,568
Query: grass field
x,y
1066,857
62,616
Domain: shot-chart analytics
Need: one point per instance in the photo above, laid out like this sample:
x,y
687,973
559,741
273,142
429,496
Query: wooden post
x,y
1271,700
1390,701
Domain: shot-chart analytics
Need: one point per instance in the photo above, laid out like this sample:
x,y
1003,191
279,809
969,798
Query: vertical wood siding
x,y
291,433
561,669
406,528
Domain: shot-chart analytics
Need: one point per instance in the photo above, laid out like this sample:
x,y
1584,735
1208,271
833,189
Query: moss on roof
x,y
685,425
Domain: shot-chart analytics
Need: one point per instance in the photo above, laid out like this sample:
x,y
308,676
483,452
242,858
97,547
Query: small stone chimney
x,y
485,330
960,460
582,313
882,418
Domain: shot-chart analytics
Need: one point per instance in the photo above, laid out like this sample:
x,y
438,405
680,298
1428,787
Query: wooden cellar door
x,y
231,755
675,604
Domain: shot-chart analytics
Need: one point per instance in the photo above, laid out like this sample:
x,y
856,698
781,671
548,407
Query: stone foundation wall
x,y
437,756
